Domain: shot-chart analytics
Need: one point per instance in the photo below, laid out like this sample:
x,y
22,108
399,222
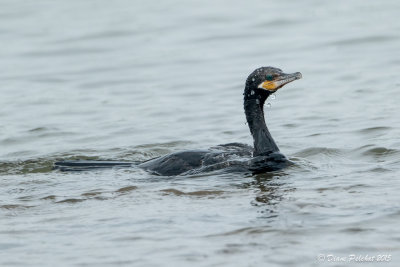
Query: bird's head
x,y
267,80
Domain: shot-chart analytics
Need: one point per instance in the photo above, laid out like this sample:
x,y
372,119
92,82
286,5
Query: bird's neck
x,y
263,141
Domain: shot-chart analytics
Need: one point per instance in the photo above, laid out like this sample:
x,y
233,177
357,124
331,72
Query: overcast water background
x,y
133,80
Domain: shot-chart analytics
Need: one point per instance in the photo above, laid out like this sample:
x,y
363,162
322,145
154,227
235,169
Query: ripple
x,y
91,194
14,206
313,151
356,230
376,151
246,231
365,40
50,197
341,188
5,246
165,145
291,125
96,194
375,129
377,169
281,22
201,193
38,129
112,34
107,83
71,200
126,189
222,37
65,52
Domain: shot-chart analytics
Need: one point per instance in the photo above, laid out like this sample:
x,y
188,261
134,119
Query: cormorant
x,y
264,157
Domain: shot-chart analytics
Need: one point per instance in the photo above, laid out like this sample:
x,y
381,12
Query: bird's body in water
x,y
263,157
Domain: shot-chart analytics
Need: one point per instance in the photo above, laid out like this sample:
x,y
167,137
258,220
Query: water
x,y
132,80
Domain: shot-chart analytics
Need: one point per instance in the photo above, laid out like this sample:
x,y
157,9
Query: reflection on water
x,y
129,81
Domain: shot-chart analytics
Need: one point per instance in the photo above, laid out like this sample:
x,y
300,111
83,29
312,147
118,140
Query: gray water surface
x,y
133,80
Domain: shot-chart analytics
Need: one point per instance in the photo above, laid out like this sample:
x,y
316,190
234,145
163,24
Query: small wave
x,y
27,166
45,164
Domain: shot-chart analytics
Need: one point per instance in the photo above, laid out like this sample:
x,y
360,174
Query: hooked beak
x,y
279,81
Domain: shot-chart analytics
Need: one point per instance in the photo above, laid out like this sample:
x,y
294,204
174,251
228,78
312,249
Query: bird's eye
x,y
269,77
